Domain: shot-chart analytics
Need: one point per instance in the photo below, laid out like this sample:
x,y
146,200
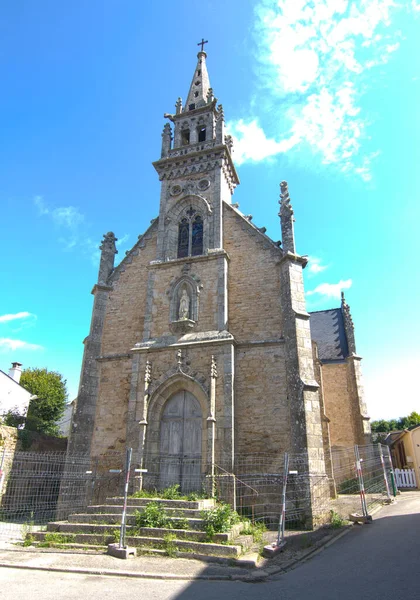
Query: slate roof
x,y
327,330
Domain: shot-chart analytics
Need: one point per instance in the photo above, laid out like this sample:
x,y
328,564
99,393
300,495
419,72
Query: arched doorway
x,y
180,442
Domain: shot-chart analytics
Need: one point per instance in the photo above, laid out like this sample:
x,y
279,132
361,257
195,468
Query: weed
x,y
171,493
153,515
55,539
145,494
28,540
219,520
180,524
336,520
170,545
257,531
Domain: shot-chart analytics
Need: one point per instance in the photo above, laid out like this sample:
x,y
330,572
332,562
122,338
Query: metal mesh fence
x,y
39,487
375,483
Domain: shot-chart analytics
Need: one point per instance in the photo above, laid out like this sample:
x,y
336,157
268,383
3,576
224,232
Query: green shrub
x,y
336,520
171,493
153,515
257,531
219,519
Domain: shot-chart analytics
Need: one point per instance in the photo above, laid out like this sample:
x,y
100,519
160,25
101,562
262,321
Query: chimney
x,y
15,372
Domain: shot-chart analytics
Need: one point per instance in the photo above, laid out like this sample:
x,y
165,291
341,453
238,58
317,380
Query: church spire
x,y
348,325
200,84
286,219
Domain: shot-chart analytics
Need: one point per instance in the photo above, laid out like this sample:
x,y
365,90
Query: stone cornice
x,y
213,254
99,287
188,340
289,256
272,342
302,314
310,385
185,160
107,357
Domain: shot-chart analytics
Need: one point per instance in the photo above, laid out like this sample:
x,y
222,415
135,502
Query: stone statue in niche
x,y
184,305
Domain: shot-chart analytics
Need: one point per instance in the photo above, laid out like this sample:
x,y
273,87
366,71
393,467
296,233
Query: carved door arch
x,y
180,442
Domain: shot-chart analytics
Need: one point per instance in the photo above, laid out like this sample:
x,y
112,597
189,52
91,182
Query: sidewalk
x,y
157,567
299,548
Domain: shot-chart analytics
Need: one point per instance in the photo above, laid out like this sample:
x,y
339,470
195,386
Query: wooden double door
x,y
180,443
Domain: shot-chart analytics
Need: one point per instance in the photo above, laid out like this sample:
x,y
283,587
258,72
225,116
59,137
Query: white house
x,y
12,395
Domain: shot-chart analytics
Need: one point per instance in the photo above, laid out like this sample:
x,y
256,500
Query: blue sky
x,y
323,94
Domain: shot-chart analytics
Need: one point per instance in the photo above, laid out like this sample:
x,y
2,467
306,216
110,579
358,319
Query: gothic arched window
x,y
185,137
197,236
190,234
201,133
183,238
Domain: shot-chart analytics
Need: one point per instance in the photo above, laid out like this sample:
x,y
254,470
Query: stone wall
x,y
338,404
124,317
253,281
262,413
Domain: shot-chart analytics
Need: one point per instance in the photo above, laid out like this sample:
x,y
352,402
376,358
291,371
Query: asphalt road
x,y
376,562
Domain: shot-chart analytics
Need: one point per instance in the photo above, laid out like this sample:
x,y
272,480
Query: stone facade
x,y
207,306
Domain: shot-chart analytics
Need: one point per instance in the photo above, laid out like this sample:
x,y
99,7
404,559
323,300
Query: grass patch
x,y
56,539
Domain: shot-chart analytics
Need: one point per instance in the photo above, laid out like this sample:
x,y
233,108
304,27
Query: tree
x,y
47,408
395,424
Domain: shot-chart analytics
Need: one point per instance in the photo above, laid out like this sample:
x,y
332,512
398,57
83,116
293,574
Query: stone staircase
x,y
99,526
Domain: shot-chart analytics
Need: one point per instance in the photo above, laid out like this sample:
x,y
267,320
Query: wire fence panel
x,y
375,468
40,487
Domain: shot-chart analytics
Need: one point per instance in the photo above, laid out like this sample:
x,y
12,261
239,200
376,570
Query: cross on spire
x,y
202,44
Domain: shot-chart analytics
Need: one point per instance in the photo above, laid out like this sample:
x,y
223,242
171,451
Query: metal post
x,y
282,520
393,480
124,513
361,483
384,472
2,475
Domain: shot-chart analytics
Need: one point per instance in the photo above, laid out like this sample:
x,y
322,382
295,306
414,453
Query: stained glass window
x,y
197,236
183,238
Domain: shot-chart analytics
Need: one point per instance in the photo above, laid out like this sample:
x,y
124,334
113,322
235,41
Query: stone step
x,y
109,529
170,511
203,504
115,519
146,543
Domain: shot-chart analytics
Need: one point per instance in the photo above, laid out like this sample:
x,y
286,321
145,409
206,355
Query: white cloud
x,y
67,219
10,344
331,290
314,56
122,240
252,143
315,266
13,317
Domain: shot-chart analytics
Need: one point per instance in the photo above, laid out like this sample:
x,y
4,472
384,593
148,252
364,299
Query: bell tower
x,y
196,171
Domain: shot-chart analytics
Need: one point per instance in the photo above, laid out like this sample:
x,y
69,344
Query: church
x,y
200,349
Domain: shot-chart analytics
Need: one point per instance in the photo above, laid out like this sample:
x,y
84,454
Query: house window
x,y
183,238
